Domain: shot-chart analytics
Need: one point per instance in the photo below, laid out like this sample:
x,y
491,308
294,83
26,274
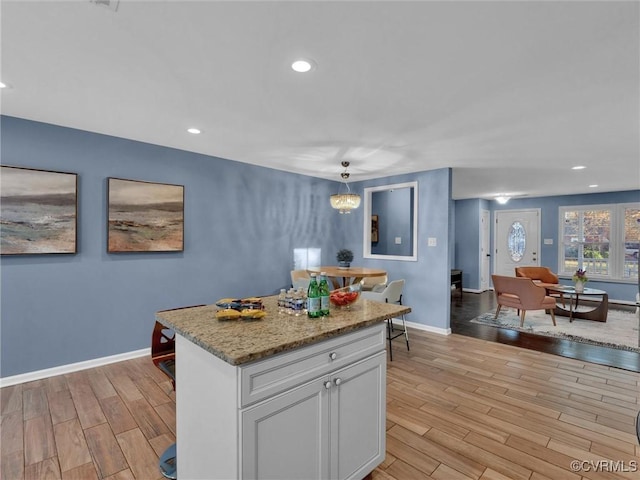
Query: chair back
x,y
374,283
163,350
543,274
393,292
300,278
531,295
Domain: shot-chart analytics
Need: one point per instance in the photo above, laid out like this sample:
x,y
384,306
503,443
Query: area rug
x,y
619,331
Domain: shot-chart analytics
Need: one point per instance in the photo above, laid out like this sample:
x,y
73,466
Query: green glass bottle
x,y
313,298
324,294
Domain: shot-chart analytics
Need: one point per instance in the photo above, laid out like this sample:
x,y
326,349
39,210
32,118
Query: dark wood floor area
x,y
473,304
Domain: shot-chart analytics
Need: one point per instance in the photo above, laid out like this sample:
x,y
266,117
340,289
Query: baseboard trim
x,y
473,290
71,367
423,327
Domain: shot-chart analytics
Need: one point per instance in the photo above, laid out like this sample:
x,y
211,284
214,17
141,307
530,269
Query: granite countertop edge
x,y
279,348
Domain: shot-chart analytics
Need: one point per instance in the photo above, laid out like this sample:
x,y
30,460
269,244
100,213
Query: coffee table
x,y
598,313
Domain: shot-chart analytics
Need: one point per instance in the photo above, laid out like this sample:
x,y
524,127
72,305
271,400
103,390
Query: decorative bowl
x,y
346,296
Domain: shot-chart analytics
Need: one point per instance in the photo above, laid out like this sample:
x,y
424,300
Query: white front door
x,y
516,240
485,251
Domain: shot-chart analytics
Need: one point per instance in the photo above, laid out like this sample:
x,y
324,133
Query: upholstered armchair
x,y
542,275
522,294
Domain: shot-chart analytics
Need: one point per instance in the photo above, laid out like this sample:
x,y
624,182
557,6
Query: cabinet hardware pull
x,y
327,385
333,355
337,381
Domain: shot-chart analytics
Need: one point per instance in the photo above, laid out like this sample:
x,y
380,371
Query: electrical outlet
x,y
432,242
398,240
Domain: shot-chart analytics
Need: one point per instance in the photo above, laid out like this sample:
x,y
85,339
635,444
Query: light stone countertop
x,y
243,341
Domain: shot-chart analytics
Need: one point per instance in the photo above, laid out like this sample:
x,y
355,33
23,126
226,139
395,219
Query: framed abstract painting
x,y
38,211
144,216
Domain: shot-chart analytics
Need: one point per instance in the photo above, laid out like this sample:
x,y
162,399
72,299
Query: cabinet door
x,y
287,437
357,417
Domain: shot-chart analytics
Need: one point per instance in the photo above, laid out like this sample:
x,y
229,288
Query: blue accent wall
x,y
242,223
467,248
427,287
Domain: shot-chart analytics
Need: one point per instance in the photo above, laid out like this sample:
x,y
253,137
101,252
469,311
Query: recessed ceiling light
x,y
302,66
3,85
578,167
195,131
593,186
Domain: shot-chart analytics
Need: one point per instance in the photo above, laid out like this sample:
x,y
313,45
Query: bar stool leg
x,y
389,338
169,463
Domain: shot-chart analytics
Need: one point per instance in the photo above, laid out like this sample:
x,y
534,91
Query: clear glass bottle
x,y
313,298
324,294
303,296
297,303
289,302
282,301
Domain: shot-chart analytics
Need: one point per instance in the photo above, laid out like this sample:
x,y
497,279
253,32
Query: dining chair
x,y
374,284
300,279
391,294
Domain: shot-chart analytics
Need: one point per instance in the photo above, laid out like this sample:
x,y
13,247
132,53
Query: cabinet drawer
x,y
269,377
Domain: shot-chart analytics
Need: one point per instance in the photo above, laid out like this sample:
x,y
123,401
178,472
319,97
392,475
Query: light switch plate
x,y
398,240
432,242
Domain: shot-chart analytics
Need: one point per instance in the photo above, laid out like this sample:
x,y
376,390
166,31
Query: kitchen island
x,y
280,397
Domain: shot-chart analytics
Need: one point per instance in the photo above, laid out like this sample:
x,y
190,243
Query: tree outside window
x,y
604,240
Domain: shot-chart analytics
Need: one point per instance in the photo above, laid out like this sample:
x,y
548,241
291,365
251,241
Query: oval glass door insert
x,y
516,241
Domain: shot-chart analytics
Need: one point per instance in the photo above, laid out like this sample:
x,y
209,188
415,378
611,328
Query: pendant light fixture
x,y
345,202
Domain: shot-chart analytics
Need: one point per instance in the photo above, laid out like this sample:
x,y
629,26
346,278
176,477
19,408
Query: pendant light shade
x,y
345,202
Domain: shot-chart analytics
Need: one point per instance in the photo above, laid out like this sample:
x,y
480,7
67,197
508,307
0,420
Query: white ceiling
x,y
510,94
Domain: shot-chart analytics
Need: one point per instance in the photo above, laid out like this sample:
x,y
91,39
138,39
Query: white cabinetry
x,y
317,412
332,427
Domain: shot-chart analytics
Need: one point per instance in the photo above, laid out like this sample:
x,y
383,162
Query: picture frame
x,y
144,216
374,228
38,211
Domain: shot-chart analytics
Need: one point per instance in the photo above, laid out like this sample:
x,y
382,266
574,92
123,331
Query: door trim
x,y
494,246
486,284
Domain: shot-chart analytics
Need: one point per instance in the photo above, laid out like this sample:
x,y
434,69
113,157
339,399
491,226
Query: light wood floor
x,y
457,407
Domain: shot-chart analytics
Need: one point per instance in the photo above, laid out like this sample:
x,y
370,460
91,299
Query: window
x,y
602,239
517,241
304,258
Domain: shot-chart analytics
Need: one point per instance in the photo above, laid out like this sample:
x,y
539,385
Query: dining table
x,y
349,275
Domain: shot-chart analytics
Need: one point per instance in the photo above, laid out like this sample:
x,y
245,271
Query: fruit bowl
x,y
346,296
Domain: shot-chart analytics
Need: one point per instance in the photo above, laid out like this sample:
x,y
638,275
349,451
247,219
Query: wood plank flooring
x,y
110,422
461,407
457,408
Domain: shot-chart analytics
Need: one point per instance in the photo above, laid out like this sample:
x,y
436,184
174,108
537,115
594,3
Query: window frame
x,y
616,241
